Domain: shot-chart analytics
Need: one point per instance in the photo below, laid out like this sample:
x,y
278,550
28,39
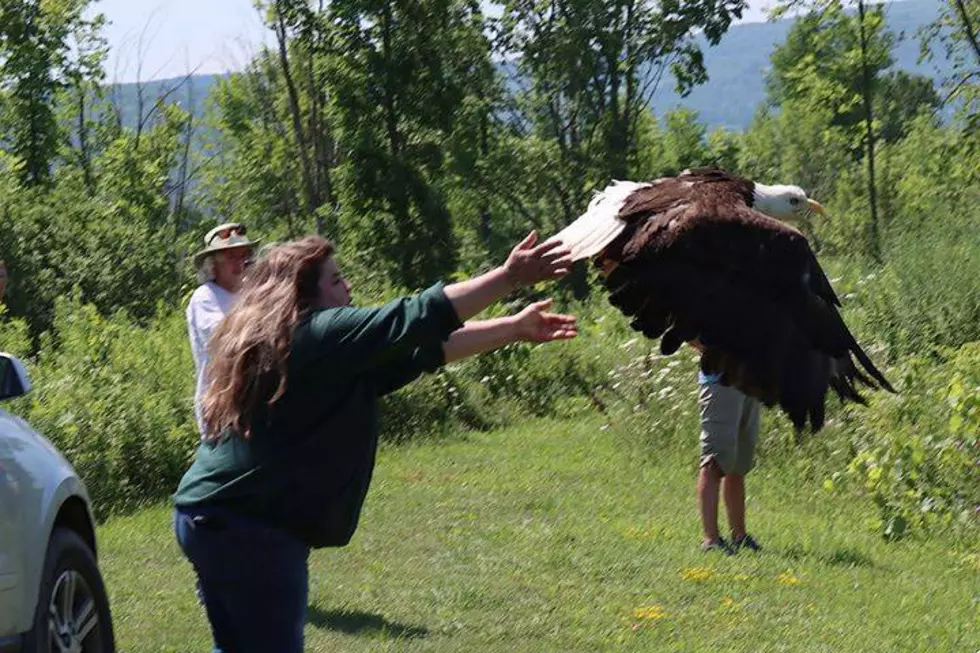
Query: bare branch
x,y
312,199
956,89
969,31
162,100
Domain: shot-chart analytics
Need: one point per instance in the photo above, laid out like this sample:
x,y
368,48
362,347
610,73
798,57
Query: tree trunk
x,y
485,225
84,155
183,171
397,195
867,91
309,184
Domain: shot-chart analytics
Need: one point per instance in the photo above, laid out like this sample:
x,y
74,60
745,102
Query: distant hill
x,y
738,65
194,91
736,70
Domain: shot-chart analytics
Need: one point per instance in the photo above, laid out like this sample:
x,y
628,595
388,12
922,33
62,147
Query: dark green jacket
x,y
308,463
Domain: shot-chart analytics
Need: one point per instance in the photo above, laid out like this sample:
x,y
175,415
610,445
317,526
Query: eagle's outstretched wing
x,y
705,266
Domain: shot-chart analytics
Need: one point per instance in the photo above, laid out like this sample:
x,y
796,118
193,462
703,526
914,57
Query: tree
x,y
833,58
585,70
724,148
297,24
45,46
116,246
684,141
901,97
84,207
956,34
257,177
408,75
867,92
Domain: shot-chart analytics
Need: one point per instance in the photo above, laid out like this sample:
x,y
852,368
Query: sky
x,y
159,39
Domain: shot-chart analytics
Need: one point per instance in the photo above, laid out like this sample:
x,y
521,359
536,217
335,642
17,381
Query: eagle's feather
x,y
600,224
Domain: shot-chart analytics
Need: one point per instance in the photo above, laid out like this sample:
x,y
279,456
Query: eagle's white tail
x,y
600,224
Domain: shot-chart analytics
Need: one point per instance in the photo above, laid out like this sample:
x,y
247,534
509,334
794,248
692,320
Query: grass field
x,y
562,536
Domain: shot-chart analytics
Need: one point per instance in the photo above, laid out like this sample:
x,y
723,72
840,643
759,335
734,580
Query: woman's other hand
x,y
536,324
533,324
528,264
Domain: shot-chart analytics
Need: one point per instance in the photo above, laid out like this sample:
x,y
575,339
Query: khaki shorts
x,y
729,426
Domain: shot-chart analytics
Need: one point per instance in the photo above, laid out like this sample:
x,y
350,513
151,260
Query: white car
x,y
52,598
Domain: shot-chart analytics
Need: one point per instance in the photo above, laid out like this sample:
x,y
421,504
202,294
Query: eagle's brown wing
x,y
708,267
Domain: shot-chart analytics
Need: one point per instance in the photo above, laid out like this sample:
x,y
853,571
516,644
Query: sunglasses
x,y
228,232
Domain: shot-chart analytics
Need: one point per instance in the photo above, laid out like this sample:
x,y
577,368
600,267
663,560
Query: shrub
x,y
14,334
116,399
434,406
917,454
502,387
926,297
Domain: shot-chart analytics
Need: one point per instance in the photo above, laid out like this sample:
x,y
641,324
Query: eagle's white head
x,y
786,203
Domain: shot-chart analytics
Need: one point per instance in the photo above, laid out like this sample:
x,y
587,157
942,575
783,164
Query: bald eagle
x,y
708,257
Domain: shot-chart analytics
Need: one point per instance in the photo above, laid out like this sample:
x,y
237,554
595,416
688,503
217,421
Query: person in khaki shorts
x,y
729,427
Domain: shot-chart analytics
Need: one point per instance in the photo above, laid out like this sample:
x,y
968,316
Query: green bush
x,y
505,386
117,243
653,398
434,406
917,454
926,298
116,399
14,334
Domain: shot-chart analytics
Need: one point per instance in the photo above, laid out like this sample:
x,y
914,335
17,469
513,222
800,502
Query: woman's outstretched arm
x,y
533,324
527,265
363,339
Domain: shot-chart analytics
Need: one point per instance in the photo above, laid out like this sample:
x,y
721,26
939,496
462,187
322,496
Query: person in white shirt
x,y
220,268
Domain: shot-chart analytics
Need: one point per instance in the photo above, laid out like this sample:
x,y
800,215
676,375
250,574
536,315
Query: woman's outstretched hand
x,y
528,264
535,324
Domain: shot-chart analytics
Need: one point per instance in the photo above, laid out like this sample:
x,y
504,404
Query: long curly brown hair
x,y
249,352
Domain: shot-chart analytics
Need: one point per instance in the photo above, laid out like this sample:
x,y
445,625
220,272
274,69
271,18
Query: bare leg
x,y
733,488
709,480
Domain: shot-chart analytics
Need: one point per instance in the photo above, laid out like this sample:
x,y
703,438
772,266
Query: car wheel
x,y
72,614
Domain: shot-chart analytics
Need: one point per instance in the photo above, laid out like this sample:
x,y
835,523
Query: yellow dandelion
x,y
787,578
640,533
697,574
728,604
649,612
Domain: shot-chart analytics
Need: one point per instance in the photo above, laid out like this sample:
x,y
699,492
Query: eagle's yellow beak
x,y
816,207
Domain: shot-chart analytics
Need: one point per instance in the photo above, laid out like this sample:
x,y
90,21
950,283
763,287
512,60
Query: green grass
x,y
561,536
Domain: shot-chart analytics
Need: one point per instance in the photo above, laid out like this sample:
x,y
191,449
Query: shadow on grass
x,y
835,558
355,622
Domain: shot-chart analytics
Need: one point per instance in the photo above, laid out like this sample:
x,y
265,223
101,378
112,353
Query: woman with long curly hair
x,y
291,420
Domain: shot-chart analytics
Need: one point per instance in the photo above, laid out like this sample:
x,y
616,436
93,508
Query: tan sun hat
x,y
229,235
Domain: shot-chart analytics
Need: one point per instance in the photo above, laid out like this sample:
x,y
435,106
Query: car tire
x,y
72,612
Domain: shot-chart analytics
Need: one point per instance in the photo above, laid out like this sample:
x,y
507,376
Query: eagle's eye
x,y
794,200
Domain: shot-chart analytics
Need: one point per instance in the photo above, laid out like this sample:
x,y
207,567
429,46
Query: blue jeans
x,y
252,579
